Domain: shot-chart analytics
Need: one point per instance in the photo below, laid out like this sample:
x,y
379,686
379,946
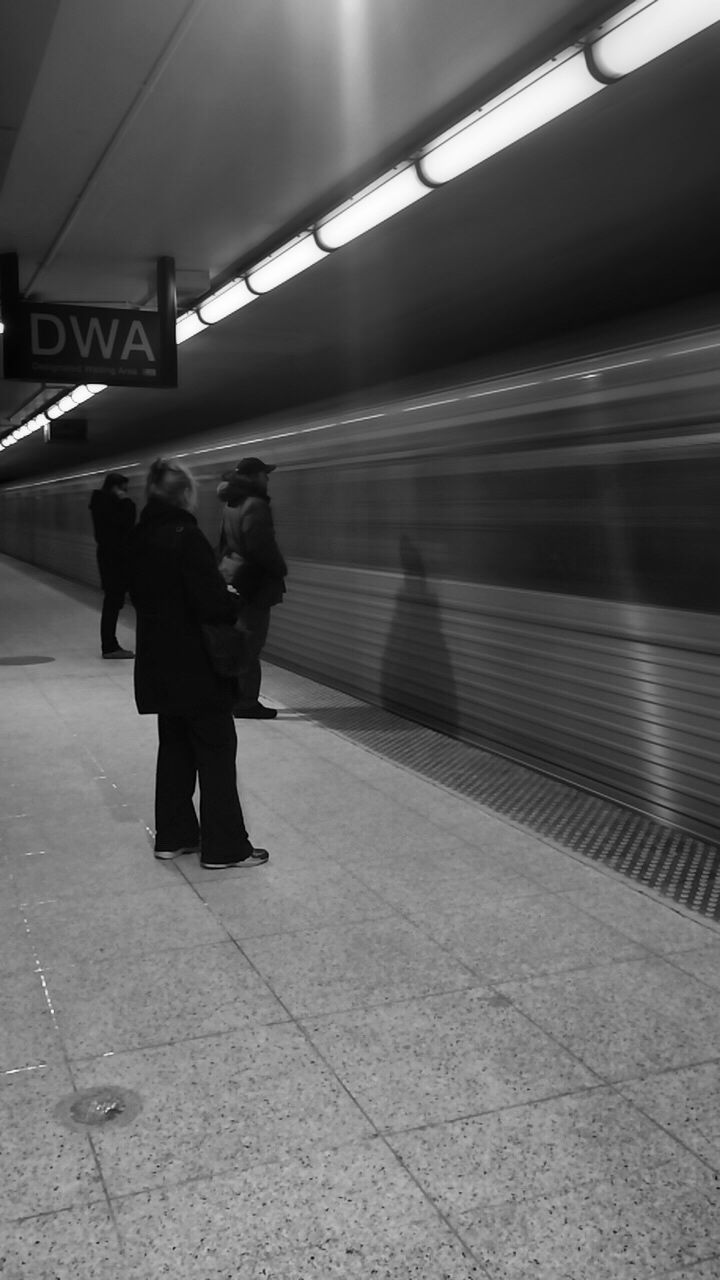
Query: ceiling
x,y
212,130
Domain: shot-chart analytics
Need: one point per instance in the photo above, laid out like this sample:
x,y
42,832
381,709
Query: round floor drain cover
x,y
106,1104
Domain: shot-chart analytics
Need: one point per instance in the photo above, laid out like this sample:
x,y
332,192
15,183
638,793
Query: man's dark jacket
x,y
248,531
113,519
175,586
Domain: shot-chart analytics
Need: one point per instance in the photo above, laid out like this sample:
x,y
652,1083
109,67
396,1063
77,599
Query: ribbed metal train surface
x,y
526,562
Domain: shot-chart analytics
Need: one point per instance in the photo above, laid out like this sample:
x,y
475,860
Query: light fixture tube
x,y
294,257
228,299
80,394
551,89
65,405
187,326
387,196
643,31
55,411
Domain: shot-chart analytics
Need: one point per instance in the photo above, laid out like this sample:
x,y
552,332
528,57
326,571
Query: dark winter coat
x,y
175,586
248,531
113,520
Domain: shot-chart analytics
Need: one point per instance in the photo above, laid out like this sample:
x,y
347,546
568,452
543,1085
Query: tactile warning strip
x,y
665,858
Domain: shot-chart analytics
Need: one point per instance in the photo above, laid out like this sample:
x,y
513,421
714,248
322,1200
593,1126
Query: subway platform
x,y
423,1043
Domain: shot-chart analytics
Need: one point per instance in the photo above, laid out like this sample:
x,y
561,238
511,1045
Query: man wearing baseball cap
x,y
256,568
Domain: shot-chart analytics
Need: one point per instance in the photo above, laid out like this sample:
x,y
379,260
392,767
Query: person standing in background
x,y
113,517
253,565
175,587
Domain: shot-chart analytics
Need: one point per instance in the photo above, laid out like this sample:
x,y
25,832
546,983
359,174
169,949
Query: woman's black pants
x,y
199,748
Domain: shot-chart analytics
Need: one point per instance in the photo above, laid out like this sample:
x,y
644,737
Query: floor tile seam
x,y
444,947
617,1088
355,778
368,1003
343,1086
587,968
80,967
417,776
59,1039
628,1178
688,973
269,1163
105,1188
123,954
84,754
40,971
649,894
488,991
522,1104
624,933
296,1021
440,1213
94,1203
554,1038
393,910
287,1251
142,894
84,1060
340,922
263,979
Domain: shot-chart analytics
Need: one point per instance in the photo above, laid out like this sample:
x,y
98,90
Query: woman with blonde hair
x,y
175,587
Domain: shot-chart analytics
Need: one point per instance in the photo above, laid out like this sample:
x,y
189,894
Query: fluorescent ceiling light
x,y
225,301
65,405
643,31
96,387
289,261
187,326
54,411
552,89
80,394
2,327
393,192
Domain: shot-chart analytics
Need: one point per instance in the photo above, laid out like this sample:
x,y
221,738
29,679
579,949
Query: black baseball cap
x,y
251,466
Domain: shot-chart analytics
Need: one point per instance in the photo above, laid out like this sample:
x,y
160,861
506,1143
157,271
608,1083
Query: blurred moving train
x,y
526,561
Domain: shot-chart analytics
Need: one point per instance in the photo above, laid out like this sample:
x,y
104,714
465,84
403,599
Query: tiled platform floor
x,y
421,1044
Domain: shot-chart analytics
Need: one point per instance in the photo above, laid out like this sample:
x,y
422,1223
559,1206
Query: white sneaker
x,y
175,853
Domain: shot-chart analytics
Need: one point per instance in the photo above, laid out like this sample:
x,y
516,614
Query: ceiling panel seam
x,y
144,92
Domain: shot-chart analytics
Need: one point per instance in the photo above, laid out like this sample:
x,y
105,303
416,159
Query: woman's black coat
x,y
175,586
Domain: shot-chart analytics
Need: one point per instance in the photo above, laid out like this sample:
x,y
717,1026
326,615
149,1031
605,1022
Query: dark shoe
x,y
255,858
256,712
119,653
175,853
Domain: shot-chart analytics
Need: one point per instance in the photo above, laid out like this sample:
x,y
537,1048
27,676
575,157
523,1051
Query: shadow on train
x,y
416,667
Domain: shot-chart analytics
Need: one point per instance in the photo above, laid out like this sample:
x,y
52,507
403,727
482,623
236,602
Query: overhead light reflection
x,y
643,31
187,326
552,89
231,298
388,196
80,394
289,261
